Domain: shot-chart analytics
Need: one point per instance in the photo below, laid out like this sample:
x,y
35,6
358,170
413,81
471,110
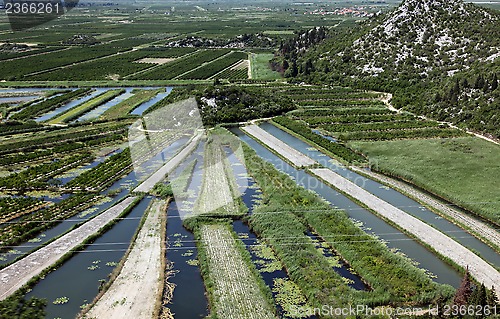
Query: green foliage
x,y
231,104
338,150
123,108
461,170
79,110
393,278
32,111
180,66
162,190
104,174
212,68
17,307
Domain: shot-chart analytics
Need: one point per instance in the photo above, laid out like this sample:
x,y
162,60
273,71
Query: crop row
x,y
59,137
357,119
104,174
31,225
12,207
340,102
233,74
305,96
17,69
212,68
378,126
402,134
342,111
123,108
37,176
87,106
337,149
16,127
118,65
233,286
287,211
183,65
218,192
32,111
40,154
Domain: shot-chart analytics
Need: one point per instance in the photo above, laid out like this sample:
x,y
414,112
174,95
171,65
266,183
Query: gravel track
x,y
444,245
19,273
295,157
134,292
477,226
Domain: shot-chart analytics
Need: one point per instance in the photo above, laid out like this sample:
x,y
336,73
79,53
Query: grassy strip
x,y
417,133
394,279
125,107
341,128
213,278
219,194
34,110
341,111
338,150
87,106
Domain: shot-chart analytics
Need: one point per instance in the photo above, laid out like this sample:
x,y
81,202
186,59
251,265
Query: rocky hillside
x,y
431,37
440,58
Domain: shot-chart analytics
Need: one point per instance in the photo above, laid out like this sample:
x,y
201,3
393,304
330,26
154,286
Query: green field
x,y
463,170
259,67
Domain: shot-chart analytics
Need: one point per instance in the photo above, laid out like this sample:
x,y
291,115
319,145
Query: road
x,y
290,154
444,245
166,169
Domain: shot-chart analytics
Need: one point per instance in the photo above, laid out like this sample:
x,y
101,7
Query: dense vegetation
x,y
17,307
338,150
104,174
287,211
231,104
32,111
418,59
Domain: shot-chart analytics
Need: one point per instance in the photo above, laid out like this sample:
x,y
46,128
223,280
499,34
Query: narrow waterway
x,y
395,239
391,196
65,107
189,299
79,278
146,105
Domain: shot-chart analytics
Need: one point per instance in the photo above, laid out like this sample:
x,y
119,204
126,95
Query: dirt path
x,y
295,157
160,174
387,97
444,245
16,275
477,226
236,294
134,292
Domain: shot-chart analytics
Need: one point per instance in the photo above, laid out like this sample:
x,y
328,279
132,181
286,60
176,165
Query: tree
x,y
463,294
494,82
492,297
478,297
